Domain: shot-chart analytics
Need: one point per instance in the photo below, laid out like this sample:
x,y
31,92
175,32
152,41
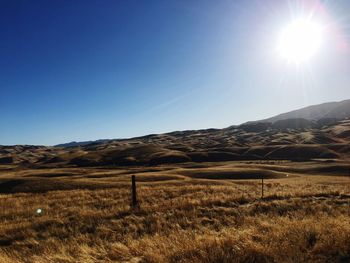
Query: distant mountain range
x,y
308,117
73,144
315,132
330,110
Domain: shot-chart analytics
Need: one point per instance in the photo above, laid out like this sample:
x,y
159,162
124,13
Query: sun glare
x,y
300,40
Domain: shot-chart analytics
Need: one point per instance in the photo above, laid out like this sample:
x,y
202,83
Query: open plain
x,y
191,212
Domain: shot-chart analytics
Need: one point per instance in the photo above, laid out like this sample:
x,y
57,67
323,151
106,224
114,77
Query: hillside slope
x,y
319,131
338,110
213,145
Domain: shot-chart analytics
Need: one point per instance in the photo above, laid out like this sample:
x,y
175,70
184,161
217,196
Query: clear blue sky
x,y
86,70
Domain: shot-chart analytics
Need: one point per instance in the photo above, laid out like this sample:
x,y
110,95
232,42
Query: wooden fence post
x,y
134,203
349,189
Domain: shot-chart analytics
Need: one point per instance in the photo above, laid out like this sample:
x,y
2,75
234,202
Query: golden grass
x,y
301,219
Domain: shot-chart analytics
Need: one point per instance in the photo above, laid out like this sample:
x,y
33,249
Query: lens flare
x,y
300,40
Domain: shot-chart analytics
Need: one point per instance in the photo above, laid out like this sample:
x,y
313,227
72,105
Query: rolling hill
x,y
334,110
324,133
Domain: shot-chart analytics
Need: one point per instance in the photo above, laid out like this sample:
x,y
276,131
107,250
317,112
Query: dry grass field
x,y
207,212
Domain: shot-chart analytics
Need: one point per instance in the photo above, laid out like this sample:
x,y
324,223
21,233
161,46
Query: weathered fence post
x,y
349,189
262,188
134,203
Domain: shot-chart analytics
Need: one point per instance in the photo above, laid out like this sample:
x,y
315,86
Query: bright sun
x,y
300,40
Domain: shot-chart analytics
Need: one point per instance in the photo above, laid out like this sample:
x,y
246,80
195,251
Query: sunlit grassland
x,y
302,218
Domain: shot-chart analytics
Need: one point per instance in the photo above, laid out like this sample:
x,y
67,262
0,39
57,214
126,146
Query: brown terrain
x,y
199,194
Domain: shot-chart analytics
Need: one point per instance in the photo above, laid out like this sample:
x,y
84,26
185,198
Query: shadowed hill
x,y
296,139
337,110
276,138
